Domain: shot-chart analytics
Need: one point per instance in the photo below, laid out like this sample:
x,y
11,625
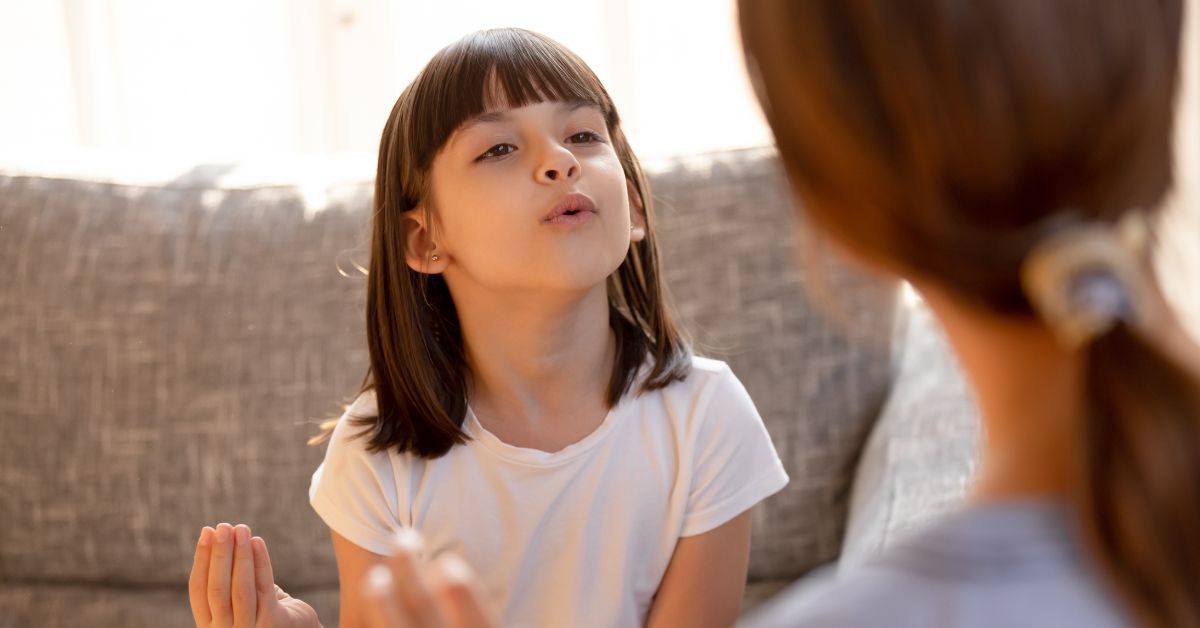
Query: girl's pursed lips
x,y
573,208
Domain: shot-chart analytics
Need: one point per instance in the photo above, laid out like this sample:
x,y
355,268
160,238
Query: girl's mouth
x,y
572,217
572,209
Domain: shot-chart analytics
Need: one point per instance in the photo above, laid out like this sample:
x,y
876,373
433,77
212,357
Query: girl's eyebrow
x,y
499,115
503,115
576,105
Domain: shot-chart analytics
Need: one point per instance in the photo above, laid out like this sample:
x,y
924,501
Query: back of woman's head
x,y
418,367
946,140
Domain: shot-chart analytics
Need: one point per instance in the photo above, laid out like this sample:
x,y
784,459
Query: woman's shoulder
x,y
880,597
823,600
980,567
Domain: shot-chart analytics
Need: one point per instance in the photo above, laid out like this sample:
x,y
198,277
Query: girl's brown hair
x,y
418,370
937,137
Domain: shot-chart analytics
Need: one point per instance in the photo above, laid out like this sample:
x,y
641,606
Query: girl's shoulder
x,y
355,418
708,379
703,373
710,393
709,367
350,437
363,406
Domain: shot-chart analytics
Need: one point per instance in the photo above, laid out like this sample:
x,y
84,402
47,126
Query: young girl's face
x,y
531,198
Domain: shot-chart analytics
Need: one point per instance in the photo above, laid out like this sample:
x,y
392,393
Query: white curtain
x,y
225,78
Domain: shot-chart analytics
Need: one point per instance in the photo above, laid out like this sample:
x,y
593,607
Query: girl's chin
x,y
572,280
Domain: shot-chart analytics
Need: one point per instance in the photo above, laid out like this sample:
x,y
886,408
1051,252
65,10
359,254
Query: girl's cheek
x,y
608,162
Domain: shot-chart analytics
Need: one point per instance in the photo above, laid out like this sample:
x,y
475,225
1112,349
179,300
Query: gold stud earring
x,y
434,258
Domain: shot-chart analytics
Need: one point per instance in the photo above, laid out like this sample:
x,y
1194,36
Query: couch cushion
x,y
66,606
924,448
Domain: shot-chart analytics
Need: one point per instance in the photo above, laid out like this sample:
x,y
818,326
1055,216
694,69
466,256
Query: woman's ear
x,y
420,251
637,214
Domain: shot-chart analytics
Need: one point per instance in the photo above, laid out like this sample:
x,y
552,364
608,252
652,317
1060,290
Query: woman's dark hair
x,y
935,136
418,370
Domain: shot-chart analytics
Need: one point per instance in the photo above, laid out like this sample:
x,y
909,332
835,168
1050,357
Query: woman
x,y
1006,158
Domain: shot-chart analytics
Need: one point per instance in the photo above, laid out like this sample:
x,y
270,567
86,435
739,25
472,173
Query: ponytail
x,y
1139,497
1138,490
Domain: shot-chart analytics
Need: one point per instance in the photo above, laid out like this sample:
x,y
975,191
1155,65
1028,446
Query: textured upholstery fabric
x,y
811,347
165,348
168,347
923,449
76,606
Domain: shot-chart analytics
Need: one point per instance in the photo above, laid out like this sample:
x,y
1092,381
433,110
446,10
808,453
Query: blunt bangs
x,y
490,70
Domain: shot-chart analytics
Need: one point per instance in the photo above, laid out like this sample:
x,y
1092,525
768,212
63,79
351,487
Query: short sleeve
x,y
735,465
354,491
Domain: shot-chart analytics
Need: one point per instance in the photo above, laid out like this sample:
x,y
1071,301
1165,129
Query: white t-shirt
x,y
578,537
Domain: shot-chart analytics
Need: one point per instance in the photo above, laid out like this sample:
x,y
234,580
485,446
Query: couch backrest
x,y
168,347
808,336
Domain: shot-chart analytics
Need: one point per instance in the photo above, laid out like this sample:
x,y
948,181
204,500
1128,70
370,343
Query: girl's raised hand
x,y
233,586
409,592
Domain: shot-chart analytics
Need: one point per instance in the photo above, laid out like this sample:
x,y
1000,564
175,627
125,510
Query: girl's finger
x,y
411,583
245,607
198,580
381,604
456,593
264,576
220,569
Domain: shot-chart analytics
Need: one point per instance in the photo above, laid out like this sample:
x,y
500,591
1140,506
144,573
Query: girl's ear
x,y
637,214
420,251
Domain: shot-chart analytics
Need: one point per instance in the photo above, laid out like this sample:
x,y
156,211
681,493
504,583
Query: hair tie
x,y
1085,277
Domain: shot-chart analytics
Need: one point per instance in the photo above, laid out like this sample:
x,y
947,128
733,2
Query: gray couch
x,y
170,337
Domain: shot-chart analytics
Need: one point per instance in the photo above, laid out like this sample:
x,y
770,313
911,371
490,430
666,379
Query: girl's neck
x,y
1030,393
536,358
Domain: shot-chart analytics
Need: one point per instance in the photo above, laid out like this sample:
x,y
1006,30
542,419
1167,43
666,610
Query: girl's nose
x,y
558,165
553,175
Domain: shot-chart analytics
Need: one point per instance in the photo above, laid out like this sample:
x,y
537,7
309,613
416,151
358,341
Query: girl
x,y
1004,157
530,404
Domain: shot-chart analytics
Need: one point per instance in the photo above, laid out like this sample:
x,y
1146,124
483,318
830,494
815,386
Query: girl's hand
x,y
233,586
408,592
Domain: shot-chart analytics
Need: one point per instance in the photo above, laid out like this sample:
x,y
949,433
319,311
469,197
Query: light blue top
x,y
1011,565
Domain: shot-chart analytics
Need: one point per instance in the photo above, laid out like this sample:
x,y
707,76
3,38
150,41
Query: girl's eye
x,y
585,137
499,150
